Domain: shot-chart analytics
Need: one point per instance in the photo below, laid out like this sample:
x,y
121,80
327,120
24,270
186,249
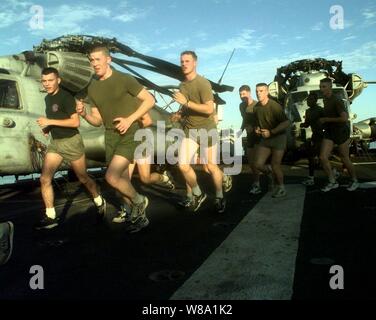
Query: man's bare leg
x,y
344,153
326,149
79,168
119,181
276,161
51,163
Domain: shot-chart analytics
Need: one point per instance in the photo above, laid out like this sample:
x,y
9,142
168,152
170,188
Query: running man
x,y
197,99
336,132
118,101
61,122
271,123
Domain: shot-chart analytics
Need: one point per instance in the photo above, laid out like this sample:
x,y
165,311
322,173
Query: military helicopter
x,y
22,144
292,85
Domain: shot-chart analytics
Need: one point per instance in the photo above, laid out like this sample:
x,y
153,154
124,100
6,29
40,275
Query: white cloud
x,y
349,23
202,35
369,13
135,43
349,38
318,26
125,13
181,43
14,12
299,37
243,41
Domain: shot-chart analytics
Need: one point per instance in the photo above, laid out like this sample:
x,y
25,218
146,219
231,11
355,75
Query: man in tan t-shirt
x,y
196,98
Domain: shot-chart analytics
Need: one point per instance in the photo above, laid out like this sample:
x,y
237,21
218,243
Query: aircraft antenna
x,y
228,62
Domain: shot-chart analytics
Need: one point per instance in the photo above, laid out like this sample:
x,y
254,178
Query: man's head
x,y
50,80
262,92
326,86
312,99
188,62
100,60
245,93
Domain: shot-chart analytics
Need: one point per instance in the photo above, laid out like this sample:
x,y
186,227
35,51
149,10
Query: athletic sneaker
x,y
169,184
197,201
139,210
310,181
255,189
6,241
122,216
279,192
353,185
137,226
220,205
330,186
227,183
47,223
186,203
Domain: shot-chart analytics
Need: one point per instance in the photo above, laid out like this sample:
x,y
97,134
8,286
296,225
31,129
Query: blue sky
x,y
266,35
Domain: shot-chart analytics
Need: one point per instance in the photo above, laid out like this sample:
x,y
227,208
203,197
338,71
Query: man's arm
x,y
72,122
281,127
205,108
94,118
147,102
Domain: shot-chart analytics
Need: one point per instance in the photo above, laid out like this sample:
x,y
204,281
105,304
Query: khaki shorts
x,y
278,142
71,149
120,145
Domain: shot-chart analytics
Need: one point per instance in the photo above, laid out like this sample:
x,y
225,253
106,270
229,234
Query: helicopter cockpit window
x,y
8,94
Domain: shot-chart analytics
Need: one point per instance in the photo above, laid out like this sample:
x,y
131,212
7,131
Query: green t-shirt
x,y
60,107
248,115
333,107
115,97
270,115
198,90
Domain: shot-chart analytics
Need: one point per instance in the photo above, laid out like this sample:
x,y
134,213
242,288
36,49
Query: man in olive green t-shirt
x,y
118,101
197,101
336,131
271,125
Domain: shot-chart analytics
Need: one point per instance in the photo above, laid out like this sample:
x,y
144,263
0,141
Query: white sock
x,y
219,194
98,201
189,195
196,191
138,199
51,213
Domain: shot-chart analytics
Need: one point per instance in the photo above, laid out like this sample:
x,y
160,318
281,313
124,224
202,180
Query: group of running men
x,y
122,105
266,125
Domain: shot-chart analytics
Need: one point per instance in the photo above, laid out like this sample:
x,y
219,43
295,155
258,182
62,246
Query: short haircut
x,y
192,53
102,49
244,87
326,80
49,70
262,84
